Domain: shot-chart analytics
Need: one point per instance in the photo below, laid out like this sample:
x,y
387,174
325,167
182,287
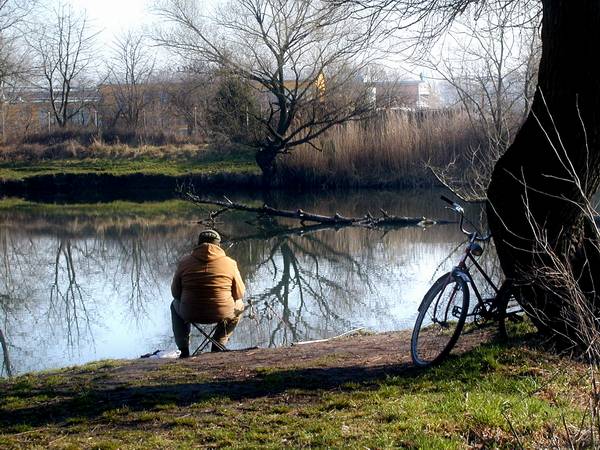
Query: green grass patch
x,y
144,163
23,170
496,396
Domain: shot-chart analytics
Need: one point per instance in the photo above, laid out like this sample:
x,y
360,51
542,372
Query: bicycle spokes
x,y
440,319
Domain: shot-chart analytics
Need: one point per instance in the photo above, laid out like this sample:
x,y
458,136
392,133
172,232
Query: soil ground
x,y
344,359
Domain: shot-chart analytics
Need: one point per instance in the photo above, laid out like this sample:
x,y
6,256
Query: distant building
x,y
405,94
27,109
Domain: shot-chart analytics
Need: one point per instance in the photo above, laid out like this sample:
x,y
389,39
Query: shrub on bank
x,y
391,148
99,150
39,152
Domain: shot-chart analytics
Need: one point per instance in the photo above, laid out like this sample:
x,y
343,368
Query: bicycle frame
x,y
462,270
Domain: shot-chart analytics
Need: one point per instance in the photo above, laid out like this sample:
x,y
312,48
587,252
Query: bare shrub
x,y
65,150
74,150
110,136
469,174
81,135
563,279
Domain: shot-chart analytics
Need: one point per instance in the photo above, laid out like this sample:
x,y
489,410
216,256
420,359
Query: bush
x,y
232,111
82,136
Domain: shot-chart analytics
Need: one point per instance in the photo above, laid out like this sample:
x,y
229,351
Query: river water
x,y
78,287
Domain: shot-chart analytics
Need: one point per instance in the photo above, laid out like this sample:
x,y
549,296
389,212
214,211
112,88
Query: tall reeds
x,y
389,149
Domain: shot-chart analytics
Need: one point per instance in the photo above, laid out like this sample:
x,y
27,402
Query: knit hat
x,y
209,236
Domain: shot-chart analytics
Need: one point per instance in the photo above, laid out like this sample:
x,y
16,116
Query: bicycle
x,y
445,307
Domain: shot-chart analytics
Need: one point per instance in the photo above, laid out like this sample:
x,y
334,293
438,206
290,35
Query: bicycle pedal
x,y
456,311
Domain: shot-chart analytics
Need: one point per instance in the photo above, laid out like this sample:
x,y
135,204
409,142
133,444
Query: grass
x,y
122,161
22,170
493,397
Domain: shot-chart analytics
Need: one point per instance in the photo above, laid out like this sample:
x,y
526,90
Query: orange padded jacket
x,y
207,283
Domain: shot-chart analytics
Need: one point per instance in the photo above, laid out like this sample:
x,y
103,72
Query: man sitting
x,y
207,288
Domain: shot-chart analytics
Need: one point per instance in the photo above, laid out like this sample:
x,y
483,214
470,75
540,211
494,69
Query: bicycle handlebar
x,y
455,206
459,209
446,199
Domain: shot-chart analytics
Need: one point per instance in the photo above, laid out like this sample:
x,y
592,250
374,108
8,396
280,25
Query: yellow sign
x,y
320,83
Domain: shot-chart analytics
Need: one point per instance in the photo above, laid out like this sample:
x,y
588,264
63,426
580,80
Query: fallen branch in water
x,y
337,219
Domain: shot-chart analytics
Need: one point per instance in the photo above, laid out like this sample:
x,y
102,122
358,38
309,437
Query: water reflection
x,y
80,288
301,288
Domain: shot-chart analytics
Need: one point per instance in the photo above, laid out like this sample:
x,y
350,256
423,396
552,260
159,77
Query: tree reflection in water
x,y
17,260
66,294
13,294
60,281
309,281
143,263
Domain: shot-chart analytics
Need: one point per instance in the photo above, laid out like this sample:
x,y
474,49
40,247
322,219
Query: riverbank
x,y
116,172
100,171
390,149
354,392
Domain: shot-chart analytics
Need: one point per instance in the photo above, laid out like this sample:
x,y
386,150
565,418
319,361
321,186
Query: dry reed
x,y
389,149
74,150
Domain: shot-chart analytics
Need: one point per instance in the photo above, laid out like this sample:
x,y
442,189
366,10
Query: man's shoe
x,y
184,354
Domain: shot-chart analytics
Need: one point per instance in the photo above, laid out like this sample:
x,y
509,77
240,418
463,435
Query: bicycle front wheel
x,y
442,314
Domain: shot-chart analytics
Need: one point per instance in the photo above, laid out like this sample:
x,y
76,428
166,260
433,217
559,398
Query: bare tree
x,y
130,72
14,61
553,165
189,92
12,15
491,62
9,59
303,60
62,46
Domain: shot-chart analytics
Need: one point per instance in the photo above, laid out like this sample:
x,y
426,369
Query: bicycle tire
x,y
509,310
434,335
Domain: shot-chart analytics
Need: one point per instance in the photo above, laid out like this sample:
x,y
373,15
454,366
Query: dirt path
x,y
349,358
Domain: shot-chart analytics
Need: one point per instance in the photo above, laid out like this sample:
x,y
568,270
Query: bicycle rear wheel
x,y
442,314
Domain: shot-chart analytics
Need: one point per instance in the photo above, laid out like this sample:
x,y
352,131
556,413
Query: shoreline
x,y
100,186
91,180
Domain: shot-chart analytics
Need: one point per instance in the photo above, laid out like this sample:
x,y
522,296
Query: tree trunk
x,y
266,158
551,170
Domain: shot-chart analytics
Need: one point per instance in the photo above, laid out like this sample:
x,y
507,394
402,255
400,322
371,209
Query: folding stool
x,y
208,338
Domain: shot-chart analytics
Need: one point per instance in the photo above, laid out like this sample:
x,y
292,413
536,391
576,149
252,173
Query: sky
x,y
111,17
